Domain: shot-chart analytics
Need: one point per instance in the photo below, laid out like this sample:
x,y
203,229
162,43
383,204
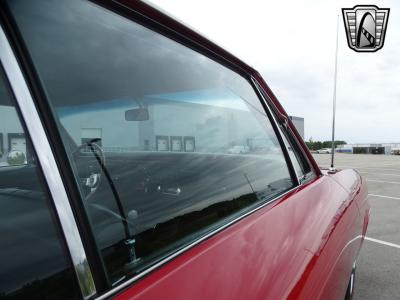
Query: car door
x,y
200,223
341,237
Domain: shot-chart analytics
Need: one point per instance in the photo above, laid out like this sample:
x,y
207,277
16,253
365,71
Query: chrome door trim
x,y
48,165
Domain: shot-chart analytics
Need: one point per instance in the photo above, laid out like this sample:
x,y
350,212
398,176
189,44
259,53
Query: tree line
x,y
315,145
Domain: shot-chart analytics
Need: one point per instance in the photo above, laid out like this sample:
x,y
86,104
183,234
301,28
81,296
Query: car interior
x,y
142,203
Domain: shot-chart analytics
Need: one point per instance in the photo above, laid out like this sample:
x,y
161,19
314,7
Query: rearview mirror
x,y
137,114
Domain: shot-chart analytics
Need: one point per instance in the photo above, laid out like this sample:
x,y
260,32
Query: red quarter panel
x,y
285,250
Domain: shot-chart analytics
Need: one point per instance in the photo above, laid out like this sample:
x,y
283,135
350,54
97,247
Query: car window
x,y
34,263
299,162
1,145
166,144
13,148
294,159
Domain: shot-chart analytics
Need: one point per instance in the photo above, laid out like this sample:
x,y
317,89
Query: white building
x,y
368,148
11,135
187,126
298,122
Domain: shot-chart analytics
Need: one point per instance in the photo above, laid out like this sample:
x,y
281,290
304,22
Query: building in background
x,y
299,124
12,137
383,148
205,121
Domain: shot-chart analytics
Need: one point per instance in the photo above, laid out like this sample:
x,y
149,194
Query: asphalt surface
x,y
378,266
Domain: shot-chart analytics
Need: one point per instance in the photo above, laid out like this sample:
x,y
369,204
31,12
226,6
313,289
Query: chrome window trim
x,y
189,246
279,132
263,96
49,166
307,177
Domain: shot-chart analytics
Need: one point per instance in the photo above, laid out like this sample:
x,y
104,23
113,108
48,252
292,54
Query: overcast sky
x,y
292,44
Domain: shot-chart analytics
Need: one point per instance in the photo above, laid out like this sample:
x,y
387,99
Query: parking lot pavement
x,y
378,266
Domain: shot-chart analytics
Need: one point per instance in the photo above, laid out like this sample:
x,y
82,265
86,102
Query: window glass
x,y
1,145
34,263
13,150
296,165
166,144
299,162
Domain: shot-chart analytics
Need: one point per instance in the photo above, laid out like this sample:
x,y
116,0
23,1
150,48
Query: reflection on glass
x,y
166,144
34,263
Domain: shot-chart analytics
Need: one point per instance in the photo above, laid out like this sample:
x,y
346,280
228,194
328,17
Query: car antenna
x,y
332,167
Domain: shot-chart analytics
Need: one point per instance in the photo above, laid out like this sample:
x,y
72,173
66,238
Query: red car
x,y
116,175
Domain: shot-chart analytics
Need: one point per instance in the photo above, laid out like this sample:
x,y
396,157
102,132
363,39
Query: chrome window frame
x,y
278,131
48,165
306,177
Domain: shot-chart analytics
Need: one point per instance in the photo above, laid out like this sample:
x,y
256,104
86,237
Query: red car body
x,y
303,245
300,247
